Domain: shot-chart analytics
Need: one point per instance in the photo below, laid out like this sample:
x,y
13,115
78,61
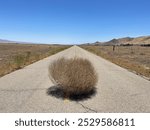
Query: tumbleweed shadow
x,y
57,92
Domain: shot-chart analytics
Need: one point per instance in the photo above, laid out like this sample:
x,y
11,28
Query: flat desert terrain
x,y
133,58
15,56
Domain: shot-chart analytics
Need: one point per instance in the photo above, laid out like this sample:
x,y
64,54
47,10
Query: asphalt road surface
x,y
118,90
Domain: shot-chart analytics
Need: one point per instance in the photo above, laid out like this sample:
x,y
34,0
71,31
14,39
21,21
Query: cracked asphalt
x,y
117,90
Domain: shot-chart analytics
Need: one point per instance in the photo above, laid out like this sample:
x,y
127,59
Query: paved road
x,y
118,90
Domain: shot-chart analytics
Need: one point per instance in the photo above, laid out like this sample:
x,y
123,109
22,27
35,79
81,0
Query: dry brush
x,y
74,76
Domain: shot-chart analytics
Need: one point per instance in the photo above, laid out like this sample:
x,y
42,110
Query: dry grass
x,y
74,76
134,58
16,56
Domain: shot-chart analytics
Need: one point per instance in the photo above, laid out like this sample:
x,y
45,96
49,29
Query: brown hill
x,y
140,40
144,40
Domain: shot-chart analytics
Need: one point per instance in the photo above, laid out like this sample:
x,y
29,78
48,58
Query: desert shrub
x,y
28,54
74,76
19,60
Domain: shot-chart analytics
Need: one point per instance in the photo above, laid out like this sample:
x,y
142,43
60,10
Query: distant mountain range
x,y
9,41
143,40
3,41
6,41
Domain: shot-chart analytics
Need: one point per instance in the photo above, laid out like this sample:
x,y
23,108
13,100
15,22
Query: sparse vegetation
x,y
19,61
74,76
134,58
16,56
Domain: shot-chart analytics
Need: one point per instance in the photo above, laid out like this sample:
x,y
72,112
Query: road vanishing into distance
x,y
118,90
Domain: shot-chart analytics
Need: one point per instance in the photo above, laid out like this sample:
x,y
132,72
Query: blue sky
x,y
73,21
